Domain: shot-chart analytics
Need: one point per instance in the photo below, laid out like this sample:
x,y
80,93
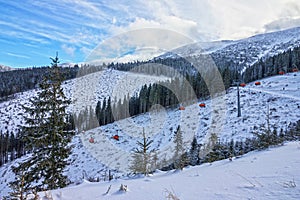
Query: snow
x,y
269,174
94,160
255,100
244,52
84,92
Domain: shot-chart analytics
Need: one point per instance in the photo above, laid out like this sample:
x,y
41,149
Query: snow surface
x,y
160,126
84,92
94,160
270,174
244,52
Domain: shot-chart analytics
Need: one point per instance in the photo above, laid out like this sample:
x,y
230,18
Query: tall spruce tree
x,y
46,135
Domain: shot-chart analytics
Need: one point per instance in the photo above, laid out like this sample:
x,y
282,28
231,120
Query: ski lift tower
x,y
237,83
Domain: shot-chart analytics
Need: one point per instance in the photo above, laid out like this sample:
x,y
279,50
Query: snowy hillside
x,y
243,52
83,91
93,160
280,94
270,174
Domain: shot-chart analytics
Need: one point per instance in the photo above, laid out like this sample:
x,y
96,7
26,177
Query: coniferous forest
x,y
161,94
21,80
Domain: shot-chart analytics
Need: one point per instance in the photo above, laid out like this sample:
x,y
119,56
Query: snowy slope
x,y
270,174
84,92
244,52
95,159
247,51
255,101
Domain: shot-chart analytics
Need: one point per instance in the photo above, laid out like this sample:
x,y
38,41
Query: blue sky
x,y
32,30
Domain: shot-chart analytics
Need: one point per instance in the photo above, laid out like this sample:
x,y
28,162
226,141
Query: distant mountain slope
x,y
4,68
244,52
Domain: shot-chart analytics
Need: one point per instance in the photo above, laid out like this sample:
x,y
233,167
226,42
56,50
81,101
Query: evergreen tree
x,y
142,159
194,152
46,135
180,156
21,187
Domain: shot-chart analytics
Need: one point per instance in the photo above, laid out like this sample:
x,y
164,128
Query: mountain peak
x,y
4,68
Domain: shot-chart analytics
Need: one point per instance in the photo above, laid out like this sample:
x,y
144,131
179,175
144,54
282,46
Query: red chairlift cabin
x,y
116,137
257,83
295,70
202,105
243,84
281,73
181,108
91,140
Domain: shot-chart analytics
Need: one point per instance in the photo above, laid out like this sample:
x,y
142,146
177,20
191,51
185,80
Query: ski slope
x,y
159,126
271,174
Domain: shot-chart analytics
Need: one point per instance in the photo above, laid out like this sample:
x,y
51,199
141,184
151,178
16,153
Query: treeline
x,y
167,94
21,80
198,79
269,65
286,61
11,147
195,84
169,67
216,150
262,139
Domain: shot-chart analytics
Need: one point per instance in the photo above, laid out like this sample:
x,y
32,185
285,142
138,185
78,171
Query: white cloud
x,y
195,20
70,50
242,18
215,19
144,42
85,24
17,55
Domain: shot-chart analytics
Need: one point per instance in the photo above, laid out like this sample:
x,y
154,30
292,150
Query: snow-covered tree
x,y
46,136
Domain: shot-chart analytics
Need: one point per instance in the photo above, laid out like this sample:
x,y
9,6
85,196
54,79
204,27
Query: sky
x,y
32,31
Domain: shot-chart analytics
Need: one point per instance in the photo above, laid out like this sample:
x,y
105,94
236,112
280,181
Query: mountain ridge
x,y
4,68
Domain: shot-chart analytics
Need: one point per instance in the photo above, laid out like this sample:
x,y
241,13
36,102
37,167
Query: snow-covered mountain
x,y
4,68
242,52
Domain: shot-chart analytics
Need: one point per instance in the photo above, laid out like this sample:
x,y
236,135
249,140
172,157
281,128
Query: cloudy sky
x,y
33,30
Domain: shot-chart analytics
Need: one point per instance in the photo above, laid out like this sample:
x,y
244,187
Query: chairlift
x,y
91,140
181,108
116,137
257,83
202,105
